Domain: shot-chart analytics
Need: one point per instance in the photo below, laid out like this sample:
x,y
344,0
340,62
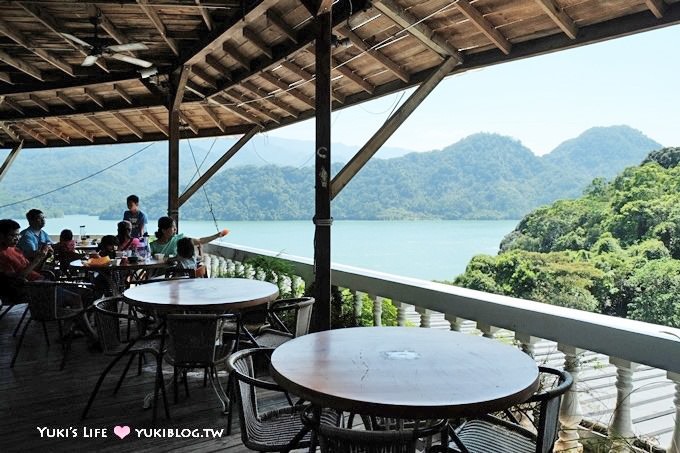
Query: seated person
x,y
65,249
125,239
107,247
16,268
186,259
167,237
33,238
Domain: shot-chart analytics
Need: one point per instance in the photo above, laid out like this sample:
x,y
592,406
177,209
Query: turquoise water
x,y
428,249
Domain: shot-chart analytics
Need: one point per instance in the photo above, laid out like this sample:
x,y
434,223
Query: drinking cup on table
x,y
160,257
117,261
120,253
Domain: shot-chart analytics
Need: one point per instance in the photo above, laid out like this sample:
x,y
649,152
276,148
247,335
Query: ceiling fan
x,y
96,49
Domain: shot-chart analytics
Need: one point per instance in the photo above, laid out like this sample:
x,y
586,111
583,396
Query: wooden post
x,y
10,159
322,178
178,85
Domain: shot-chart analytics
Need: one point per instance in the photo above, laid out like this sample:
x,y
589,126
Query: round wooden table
x,y
118,276
207,294
405,372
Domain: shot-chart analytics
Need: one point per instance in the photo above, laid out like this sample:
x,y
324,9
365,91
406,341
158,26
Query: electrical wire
x,y
201,164
205,192
79,180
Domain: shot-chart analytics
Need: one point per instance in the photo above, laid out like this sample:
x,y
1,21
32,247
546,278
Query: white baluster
x,y
675,442
358,306
456,322
425,317
621,427
207,259
402,309
570,410
377,310
527,342
487,330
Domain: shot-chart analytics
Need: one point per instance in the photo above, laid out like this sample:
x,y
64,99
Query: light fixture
x,y
148,72
340,42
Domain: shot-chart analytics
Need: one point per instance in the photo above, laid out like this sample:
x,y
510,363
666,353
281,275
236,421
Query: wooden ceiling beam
x,y
254,39
266,97
180,87
66,100
307,76
273,18
79,129
236,55
213,116
9,160
21,65
484,26
161,127
217,65
241,99
49,22
31,133
54,130
94,97
106,25
158,23
128,124
197,90
5,77
67,83
201,74
287,89
188,123
238,111
39,102
122,93
346,71
16,36
10,103
657,7
560,18
375,54
102,127
8,130
205,14
316,7
416,28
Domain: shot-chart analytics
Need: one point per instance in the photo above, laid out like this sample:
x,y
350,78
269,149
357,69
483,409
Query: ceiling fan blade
x,y
89,60
131,60
127,47
76,40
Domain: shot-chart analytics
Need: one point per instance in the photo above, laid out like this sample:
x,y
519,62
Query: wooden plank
x,y
21,65
251,105
148,115
201,74
106,25
180,86
8,130
9,160
272,99
657,7
94,97
416,28
102,127
66,100
122,93
194,88
54,130
273,18
16,36
39,102
241,59
238,111
287,89
484,26
79,129
254,39
307,76
214,168
158,23
558,16
11,104
66,83
205,14
128,124
189,124
6,77
214,63
213,116
31,133
391,125
375,54
346,71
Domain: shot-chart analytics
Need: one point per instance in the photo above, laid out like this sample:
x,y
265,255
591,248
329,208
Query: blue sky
x,y
541,101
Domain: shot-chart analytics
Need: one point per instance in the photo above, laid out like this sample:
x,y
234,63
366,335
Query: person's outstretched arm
x,y
207,239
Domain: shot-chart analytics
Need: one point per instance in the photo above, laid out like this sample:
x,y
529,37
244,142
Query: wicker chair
x,y
334,439
503,433
196,341
44,306
280,429
297,311
109,316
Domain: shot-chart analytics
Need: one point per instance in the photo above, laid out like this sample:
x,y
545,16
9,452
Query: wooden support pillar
x,y
217,165
178,84
345,175
10,159
322,178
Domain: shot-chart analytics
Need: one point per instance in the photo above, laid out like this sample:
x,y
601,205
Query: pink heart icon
x,y
121,431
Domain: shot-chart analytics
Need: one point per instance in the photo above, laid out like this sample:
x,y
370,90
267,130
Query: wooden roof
x,y
250,63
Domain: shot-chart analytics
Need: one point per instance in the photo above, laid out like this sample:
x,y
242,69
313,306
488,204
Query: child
x,y
65,249
107,246
185,257
136,217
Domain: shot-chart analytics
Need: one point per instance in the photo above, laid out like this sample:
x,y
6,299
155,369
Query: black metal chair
x,y
279,429
108,315
296,313
196,341
503,433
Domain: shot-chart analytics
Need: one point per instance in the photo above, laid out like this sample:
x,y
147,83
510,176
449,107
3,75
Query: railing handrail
x,y
635,341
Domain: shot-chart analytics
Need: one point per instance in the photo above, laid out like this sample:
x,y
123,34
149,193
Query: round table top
x,y
141,264
405,372
214,294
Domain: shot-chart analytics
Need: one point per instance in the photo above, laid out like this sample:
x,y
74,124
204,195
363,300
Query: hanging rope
x,y
205,192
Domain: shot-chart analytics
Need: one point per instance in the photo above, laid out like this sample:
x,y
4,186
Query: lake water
x,y
428,249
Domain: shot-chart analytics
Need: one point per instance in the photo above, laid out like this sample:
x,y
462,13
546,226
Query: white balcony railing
x,y
626,373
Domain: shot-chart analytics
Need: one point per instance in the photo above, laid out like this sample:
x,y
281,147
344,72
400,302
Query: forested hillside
x,y
616,250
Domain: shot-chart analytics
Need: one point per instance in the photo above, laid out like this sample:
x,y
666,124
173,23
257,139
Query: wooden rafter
x,y
657,7
16,36
189,124
8,130
79,129
284,87
160,126
241,99
122,93
39,102
213,116
205,14
484,26
375,54
54,130
180,86
102,127
316,7
238,111
48,21
21,65
94,97
31,133
11,157
273,18
128,124
158,23
254,39
11,104
241,59
197,90
217,65
558,16
416,28
66,100
307,76
265,97
106,25
351,75
201,74
6,77
103,80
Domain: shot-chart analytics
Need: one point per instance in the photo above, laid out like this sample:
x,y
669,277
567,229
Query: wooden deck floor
x,y
35,394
